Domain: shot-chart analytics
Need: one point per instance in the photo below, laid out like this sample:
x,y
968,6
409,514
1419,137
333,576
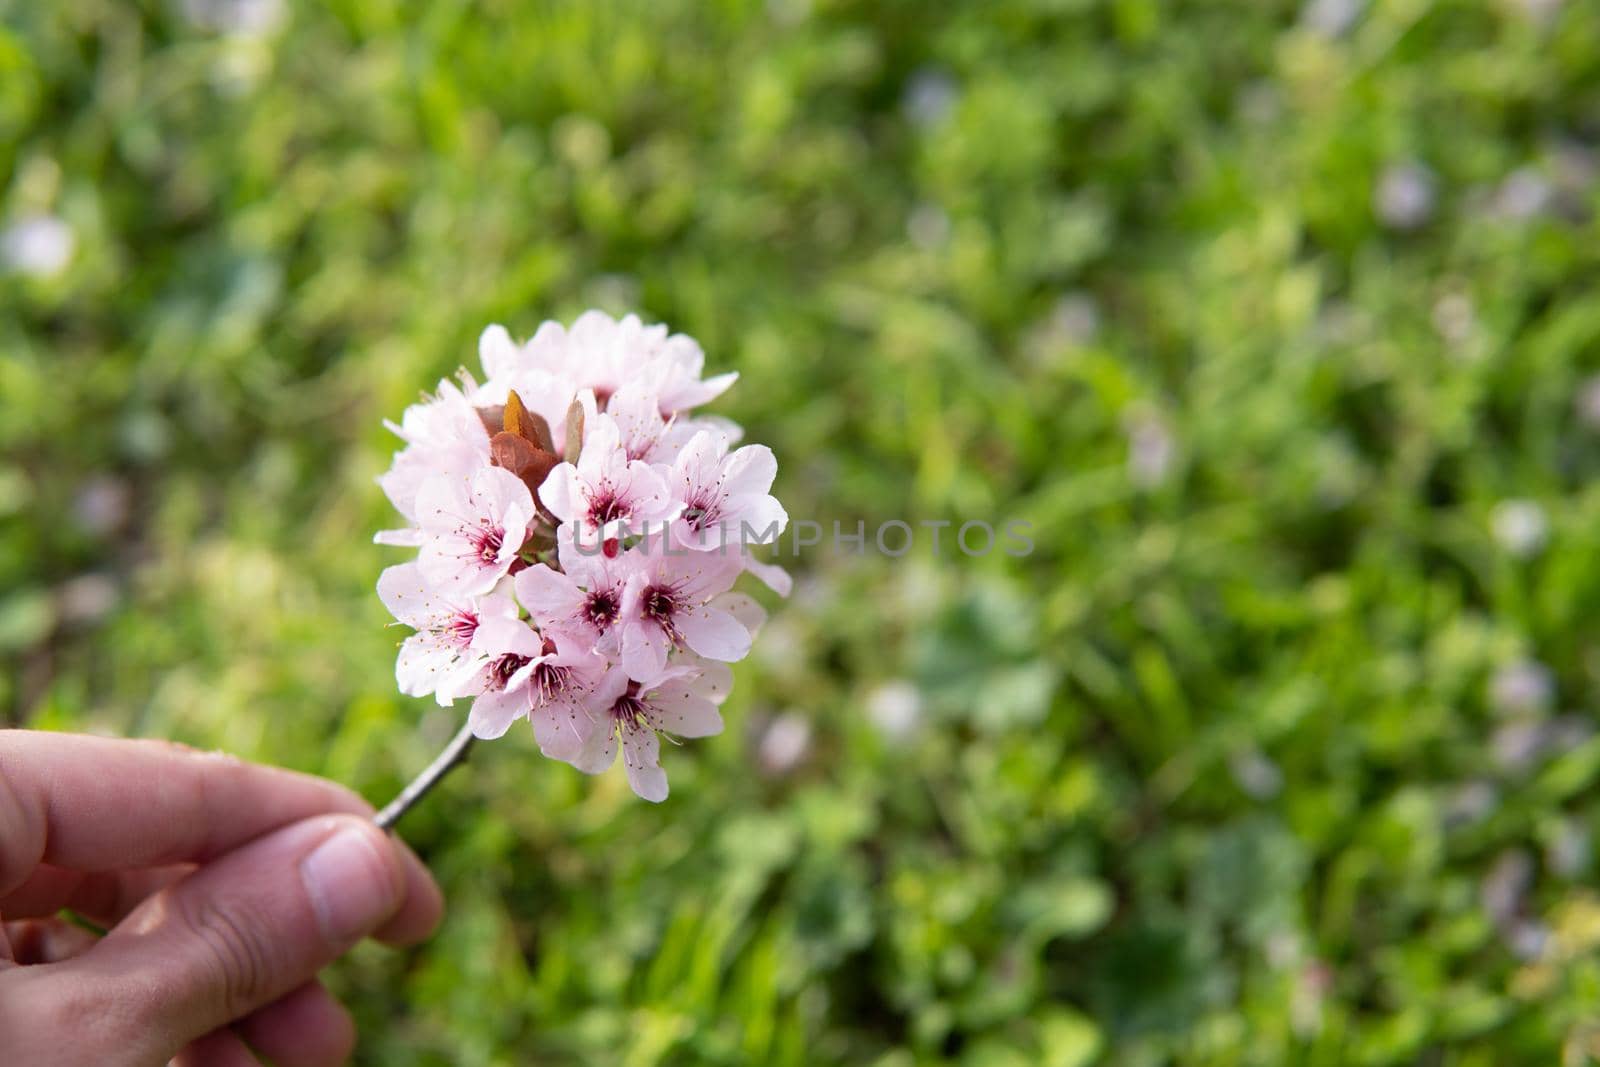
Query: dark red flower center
x,y
503,669
487,542
629,710
606,506
600,608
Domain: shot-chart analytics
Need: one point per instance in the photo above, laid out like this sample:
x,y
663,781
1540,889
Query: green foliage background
x,y
1215,776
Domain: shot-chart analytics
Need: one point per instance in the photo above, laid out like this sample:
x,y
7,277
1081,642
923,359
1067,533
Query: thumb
x,y
232,937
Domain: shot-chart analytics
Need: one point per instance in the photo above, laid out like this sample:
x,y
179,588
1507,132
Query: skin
x,y
200,868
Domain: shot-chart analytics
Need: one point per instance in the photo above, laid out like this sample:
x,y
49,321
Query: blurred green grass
x,y
1279,325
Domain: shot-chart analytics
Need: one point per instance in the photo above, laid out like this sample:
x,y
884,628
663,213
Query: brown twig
x,y
454,754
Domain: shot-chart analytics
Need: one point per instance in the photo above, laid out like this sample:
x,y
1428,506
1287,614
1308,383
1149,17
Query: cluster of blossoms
x,y
578,536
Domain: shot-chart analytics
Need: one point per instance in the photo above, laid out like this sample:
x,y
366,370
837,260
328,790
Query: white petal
x,y
496,606
408,597
497,353
443,503
501,494
496,637
561,491
601,448
424,661
410,537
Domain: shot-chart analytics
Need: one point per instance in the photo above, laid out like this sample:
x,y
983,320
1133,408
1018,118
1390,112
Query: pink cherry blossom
x,y
583,598
472,529
726,497
675,376
667,604
605,354
623,560
444,435
519,674
680,702
445,626
508,366
598,352
645,434
605,493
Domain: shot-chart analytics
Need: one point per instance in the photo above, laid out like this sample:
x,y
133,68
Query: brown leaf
x,y
527,461
528,425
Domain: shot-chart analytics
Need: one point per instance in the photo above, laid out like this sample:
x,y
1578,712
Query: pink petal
x,y
690,394
751,615
493,713
697,465
757,520
644,650
714,682
684,713
750,469
452,573
469,677
701,575
515,523
562,729
770,575
606,691
549,596
714,634
641,753
647,495
600,751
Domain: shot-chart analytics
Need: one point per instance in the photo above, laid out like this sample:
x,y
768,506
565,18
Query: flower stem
x,y
454,754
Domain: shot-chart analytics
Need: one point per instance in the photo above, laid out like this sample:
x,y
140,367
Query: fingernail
x,y
349,884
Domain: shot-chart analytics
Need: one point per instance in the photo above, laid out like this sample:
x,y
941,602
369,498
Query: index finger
x,y
98,804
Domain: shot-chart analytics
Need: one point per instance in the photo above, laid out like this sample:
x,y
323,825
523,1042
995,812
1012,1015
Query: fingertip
x,y
356,879
419,916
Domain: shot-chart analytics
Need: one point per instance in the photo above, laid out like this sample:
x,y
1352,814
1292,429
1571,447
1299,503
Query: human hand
x,y
224,887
